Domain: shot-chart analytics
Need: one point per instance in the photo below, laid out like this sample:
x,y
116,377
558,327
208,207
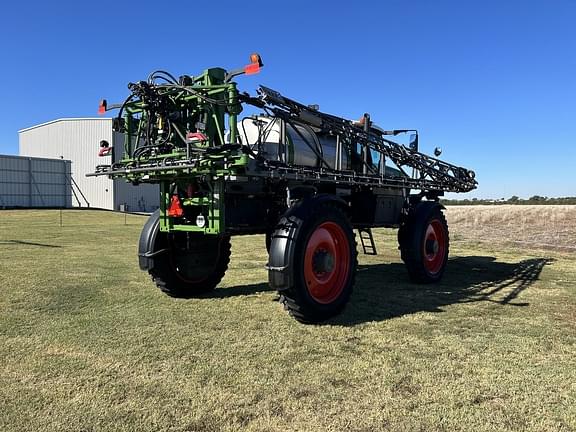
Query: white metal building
x,y
78,139
34,182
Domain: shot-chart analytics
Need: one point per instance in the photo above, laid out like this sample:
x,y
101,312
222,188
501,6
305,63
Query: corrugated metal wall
x,y
34,182
141,198
78,140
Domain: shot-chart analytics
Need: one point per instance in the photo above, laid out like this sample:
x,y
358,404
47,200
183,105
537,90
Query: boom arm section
x,y
430,173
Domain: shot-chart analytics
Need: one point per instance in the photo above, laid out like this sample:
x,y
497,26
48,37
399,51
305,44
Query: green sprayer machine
x,y
304,178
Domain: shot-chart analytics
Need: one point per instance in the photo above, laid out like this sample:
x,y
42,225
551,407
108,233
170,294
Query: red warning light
x,y
255,64
252,68
105,148
102,107
175,209
105,151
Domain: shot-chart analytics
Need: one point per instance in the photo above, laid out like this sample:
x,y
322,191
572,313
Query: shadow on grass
x,y
239,290
384,291
25,243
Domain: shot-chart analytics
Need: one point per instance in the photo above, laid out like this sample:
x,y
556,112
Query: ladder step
x,y
367,241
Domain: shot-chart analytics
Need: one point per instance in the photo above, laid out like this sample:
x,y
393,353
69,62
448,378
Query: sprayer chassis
x,y
214,185
248,199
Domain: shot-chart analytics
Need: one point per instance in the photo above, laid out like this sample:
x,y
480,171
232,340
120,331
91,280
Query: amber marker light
x,y
255,58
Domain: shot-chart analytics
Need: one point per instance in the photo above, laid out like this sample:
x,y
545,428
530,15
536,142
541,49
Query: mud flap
x,y
280,272
146,244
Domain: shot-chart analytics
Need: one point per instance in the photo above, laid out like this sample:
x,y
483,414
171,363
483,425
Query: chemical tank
x,y
300,146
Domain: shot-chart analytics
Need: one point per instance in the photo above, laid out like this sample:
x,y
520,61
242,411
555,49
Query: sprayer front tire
x,y
323,263
190,267
424,244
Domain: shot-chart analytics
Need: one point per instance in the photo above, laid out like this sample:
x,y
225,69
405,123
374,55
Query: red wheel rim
x,y
327,262
434,247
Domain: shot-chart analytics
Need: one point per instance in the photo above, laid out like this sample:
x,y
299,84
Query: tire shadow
x,y
240,290
384,291
25,243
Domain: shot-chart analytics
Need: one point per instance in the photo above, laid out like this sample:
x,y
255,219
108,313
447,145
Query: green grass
x,y
87,343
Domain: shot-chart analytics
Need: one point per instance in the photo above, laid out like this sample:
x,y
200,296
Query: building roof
x,y
65,119
7,156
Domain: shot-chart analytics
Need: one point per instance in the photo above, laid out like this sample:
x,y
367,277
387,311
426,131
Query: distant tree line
x,y
536,199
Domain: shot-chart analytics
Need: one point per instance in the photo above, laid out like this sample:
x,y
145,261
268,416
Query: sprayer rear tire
x,y
186,270
323,263
424,245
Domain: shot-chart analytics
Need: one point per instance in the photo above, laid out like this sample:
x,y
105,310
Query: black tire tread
x,y
163,276
292,298
410,246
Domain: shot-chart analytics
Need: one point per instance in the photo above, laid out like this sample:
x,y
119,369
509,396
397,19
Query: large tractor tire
x,y
184,265
268,241
312,261
424,243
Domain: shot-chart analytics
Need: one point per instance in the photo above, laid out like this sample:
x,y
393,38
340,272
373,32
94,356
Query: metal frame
x,y
175,134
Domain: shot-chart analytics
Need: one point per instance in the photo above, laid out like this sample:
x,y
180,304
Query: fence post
x,y
30,182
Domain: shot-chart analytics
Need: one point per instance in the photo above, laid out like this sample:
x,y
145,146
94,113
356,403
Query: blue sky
x,y
493,83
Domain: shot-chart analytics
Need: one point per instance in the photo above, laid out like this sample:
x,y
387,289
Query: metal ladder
x,y
367,241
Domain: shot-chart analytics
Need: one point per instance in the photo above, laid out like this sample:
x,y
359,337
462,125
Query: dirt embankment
x,y
540,226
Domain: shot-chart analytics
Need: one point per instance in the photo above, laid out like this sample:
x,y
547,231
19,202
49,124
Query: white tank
x,y
294,144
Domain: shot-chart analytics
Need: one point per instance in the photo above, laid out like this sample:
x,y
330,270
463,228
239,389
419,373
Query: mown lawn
x,y
87,343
